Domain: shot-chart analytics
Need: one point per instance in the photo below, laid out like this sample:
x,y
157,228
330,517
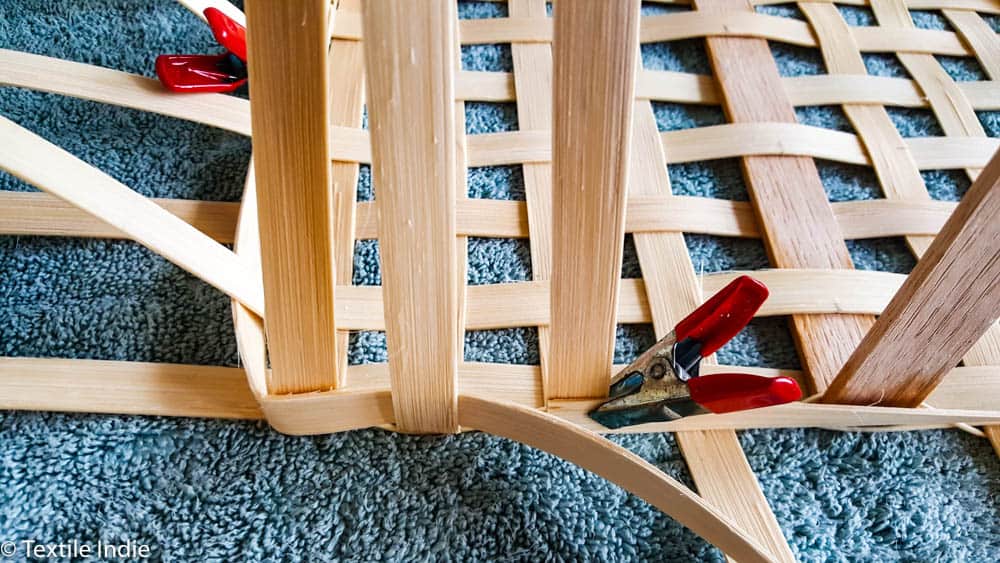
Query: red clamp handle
x,y
197,73
728,392
209,73
228,32
720,318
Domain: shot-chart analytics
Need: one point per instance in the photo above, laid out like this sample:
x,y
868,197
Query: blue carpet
x,y
201,490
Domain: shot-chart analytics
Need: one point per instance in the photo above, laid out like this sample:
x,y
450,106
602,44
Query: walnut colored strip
x,y
953,111
984,43
347,78
533,82
800,230
594,64
291,159
715,458
897,172
945,305
409,55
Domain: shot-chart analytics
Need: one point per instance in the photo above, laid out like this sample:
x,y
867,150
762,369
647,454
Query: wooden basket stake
x,y
949,300
594,65
287,44
410,57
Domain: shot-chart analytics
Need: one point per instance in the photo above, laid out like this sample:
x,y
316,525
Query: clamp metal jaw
x,y
664,382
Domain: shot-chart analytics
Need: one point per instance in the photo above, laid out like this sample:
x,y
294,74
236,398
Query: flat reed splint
x,y
587,140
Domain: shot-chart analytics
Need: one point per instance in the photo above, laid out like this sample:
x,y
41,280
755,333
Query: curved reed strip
x,y
614,463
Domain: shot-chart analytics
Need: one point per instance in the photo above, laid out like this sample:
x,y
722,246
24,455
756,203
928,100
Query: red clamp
x,y
664,383
209,73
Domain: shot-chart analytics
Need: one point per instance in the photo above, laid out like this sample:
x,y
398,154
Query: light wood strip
x,y
949,300
660,85
695,24
618,465
485,86
799,227
67,78
38,213
291,160
101,386
987,6
897,172
828,89
761,139
952,109
793,292
411,102
56,384
48,167
725,479
790,139
993,434
985,45
249,326
347,80
370,405
981,94
707,143
594,65
198,8
227,112
533,81
679,87
980,37
461,195
33,213
883,218
715,459
791,415
687,25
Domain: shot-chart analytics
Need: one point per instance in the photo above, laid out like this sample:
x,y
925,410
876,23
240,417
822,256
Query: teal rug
x,y
207,490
